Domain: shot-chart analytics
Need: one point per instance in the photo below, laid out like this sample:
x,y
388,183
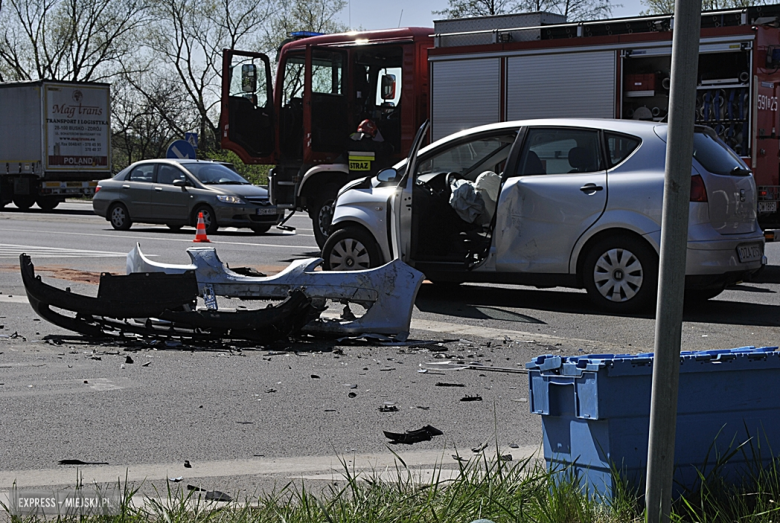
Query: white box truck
x,y
55,141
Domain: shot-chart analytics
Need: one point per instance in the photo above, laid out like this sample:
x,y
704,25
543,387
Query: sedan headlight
x,y
225,198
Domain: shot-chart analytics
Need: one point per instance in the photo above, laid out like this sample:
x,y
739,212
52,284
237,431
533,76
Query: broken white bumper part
x,y
387,292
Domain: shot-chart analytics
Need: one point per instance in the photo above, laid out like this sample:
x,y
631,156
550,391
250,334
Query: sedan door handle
x,y
591,188
126,186
158,189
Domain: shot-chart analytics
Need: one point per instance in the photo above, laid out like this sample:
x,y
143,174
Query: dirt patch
x,y
62,273
74,275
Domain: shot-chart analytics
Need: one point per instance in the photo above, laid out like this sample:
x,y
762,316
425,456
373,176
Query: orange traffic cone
x,y
200,232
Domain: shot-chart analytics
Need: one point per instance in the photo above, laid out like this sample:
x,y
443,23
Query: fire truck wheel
x,y
351,249
119,217
620,274
24,202
47,203
322,213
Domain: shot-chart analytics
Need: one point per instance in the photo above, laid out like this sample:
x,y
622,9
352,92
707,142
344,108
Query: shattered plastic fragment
x,y
414,436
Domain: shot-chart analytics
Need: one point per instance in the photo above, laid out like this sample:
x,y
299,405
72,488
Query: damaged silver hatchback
x,y
559,202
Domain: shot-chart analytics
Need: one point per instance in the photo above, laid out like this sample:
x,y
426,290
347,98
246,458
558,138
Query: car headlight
x,y
226,198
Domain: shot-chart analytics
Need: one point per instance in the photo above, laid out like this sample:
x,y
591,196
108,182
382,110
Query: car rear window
x,y
620,146
715,156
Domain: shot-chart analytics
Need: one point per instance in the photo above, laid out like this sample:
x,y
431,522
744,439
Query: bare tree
x,y
572,9
80,40
186,43
145,123
317,16
655,7
469,8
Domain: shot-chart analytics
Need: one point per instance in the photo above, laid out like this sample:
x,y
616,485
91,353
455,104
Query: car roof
x,y
639,127
182,161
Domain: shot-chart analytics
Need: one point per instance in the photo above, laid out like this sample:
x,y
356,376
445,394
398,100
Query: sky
x,y
384,14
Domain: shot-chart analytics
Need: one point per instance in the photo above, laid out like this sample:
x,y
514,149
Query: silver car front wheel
x,y
351,249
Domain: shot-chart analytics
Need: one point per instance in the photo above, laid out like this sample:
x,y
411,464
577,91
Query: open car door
x,y
326,124
247,119
401,201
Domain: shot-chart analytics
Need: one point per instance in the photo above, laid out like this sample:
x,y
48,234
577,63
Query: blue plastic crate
x,y
596,414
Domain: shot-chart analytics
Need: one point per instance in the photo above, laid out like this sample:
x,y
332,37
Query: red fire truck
x,y
467,72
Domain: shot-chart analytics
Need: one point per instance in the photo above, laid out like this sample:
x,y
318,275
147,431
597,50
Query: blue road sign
x,y
181,149
192,138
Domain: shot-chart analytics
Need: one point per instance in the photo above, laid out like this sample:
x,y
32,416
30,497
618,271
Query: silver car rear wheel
x,y
621,274
618,275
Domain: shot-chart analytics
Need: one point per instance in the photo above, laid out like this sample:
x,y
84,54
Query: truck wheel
x,y
119,217
322,213
47,203
351,249
24,202
621,274
209,219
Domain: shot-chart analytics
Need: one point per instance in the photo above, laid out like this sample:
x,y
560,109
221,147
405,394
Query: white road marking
x,y
458,329
13,299
321,467
168,240
13,251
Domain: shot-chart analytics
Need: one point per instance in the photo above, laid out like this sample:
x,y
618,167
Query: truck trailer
x,y
55,141
467,72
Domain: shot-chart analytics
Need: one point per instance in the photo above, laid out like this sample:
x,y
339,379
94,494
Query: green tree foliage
x,y
573,9
257,174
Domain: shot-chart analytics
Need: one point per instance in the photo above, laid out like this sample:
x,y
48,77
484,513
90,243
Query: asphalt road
x,y
254,418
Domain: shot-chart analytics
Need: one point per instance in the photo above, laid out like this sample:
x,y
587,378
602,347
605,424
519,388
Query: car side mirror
x,y
387,175
249,78
388,86
181,183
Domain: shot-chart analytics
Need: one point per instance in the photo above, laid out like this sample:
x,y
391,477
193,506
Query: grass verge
x,y
484,488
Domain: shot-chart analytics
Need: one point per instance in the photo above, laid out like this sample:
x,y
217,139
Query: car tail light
x,y
698,190
97,189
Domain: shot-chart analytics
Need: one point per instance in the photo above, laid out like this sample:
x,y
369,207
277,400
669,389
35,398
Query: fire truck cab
x,y
301,120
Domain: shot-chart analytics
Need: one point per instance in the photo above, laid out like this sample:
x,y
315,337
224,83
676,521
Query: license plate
x,y
264,211
767,206
749,253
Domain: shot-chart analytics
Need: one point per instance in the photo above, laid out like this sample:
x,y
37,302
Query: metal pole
x,y
674,235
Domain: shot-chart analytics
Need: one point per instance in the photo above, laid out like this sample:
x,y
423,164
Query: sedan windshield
x,y
215,174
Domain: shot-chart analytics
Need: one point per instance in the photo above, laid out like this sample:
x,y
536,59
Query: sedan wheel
x,y
119,217
351,249
621,274
209,220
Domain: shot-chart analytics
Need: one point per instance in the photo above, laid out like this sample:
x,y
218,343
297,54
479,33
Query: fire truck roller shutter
x,y
465,93
561,84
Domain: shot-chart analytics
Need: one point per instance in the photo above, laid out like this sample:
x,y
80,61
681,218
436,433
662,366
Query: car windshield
x,y
215,174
